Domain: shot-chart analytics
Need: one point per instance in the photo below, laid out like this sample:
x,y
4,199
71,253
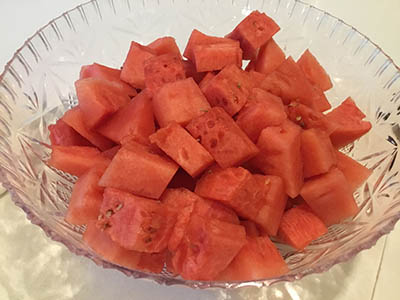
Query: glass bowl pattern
x,y
36,87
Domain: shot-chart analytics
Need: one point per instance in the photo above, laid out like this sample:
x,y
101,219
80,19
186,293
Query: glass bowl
x,y
36,87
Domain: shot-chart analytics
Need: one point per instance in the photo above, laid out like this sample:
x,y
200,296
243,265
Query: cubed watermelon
x,y
110,153
190,71
164,45
254,31
229,89
98,99
262,110
134,119
159,70
179,102
136,223
314,72
354,172
317,152
258,259
213,57
76,160
178,144
133,68
300,226
269,58
251,228
75,119
350,126
319,100
222,137
330,197
140,170
280,154
256,78
64,135
86,198
206,79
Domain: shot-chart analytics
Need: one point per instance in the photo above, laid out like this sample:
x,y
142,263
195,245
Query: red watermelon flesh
x,y
164,45
178,144
308,118
199,38
253,32
208,248
354,172
133,68
269,58
256,78
317,152
136,118
330,197
98,99
229,89
275,198
280,155
179,102
314,72
159,70
76,160
262,110
102,244
213,57
300,226
182,179
136,223
349,121
64,135
75,119
110,153
86,198
258,259
206,79
223,139
251,228
140,170
103,72
190,71
320,102
289,83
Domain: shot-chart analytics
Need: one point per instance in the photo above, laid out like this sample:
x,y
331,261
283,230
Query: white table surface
x,y
373,274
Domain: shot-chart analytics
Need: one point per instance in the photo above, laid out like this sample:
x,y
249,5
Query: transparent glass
x,y
37,86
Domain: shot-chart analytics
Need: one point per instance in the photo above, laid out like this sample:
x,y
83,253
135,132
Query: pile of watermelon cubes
x,y
193,164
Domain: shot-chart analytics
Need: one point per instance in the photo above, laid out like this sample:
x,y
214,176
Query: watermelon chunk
x,y
314,72
164,45
75,119
136,223
64,135
258,259
254,31
86,198
162,69
317,152
300,226
76,160
199,38
98,99
330,197
213,57
140,170
319,100
208,248
103,72
262,110
350,126
220,135
178,144
229,89
110,153
190,71
275,199
102,244
354,172
179,102
134,119
280,155
256,78
251,228
133,68
206,79
269,58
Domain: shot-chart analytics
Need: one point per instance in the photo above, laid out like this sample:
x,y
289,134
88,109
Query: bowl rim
x,y
159,278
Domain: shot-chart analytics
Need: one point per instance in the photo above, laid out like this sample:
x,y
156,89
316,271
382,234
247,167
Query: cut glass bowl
x,y
37,86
